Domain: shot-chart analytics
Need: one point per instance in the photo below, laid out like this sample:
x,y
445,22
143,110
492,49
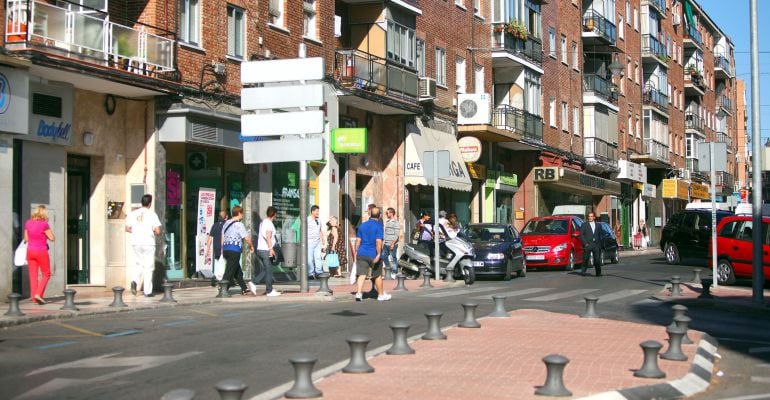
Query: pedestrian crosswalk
x,y
535,294
562,295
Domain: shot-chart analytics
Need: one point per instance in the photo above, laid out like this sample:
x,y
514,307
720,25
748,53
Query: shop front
x,y
631,207
674,196
499,188
564,186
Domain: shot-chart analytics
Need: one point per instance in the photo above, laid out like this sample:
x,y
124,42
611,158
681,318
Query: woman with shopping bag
x,y
336,255
37,233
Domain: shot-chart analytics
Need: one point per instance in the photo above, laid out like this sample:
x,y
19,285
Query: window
x,y
309,13
576,120
564,117
621,29
189,26
275,11
235,32
440,66
636,19
628,12
630,125
636,72
459,3
401,44
564,49
629,73
552,42
552,112
575,56
420,57
532,92
477,7
478,79
638,128
622,85
460,74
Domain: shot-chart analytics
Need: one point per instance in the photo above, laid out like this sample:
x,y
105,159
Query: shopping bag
x,y
219,267
278,254
20,255
352,276
332,260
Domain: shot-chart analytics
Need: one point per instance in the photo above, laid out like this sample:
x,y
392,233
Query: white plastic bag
x,y
20,255
219,267
352,276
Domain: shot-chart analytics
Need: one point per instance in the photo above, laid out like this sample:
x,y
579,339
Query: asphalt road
x,y
144,354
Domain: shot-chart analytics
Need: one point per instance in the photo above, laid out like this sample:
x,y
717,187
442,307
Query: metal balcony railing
x,y
726,103
693,121
595,22
128,45
651,46
723,62
653,96
600,86
659,5
692,165
530,48
723,137
369,72
600,149
517,120
656,150
692,33
725,181
696,80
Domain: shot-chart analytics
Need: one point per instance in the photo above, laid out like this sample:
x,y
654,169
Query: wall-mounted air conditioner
x,y
685,173
427,89
676,19
474,109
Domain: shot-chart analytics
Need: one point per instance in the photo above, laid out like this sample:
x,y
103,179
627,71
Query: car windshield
x,y
546,227
486,234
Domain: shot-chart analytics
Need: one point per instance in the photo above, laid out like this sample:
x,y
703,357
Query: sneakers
x,y
359,296
274,293
133,288
384,297
149,295
252,288
393,275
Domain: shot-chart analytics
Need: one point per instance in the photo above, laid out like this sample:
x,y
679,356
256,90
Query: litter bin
x,y
289,254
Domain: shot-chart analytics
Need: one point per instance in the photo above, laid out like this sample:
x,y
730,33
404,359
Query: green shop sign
x,y
349,140
502,180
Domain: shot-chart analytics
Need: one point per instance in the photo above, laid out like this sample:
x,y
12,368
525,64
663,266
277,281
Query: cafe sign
x,y
675,189
470,148
698,191
348,140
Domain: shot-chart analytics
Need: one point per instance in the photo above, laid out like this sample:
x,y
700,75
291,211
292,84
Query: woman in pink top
x,y
37,232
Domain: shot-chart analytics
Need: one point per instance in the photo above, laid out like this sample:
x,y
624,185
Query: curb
x,y
696,381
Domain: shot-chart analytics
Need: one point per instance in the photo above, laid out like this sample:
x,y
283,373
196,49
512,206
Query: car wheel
x,y
508,270
616,257
571,261
671,253
523,271
601,257
725,272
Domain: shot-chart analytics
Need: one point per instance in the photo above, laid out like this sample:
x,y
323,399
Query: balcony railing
x,y
600,149
659,5
600,86
597,23
656,150
726,103
654,97
723,137
368,72
696,80
692,33
692,164
694,121
516,120
651,46
725,181
723,62
530,48
87,32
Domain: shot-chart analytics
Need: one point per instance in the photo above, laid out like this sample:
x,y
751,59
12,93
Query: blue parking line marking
x,y
124,333
54,345
177,323
232,314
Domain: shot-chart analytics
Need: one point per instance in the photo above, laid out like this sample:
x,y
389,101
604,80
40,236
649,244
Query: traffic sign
x,y
290,148
288,123
284,70
270,97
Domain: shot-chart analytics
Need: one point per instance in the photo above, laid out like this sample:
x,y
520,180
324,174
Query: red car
x,y
735,250
553,242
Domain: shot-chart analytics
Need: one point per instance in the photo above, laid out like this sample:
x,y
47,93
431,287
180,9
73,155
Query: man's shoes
x,y
252,288
274,293
213,281
311,277
384,297
359,296
133,288
149,295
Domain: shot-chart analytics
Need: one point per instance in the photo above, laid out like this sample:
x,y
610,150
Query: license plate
x,y
477,263
536,257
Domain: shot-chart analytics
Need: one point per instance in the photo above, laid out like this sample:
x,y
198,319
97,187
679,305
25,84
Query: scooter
x,y
459,261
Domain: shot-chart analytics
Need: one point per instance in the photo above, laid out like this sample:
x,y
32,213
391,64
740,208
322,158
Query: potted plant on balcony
x,y
517,29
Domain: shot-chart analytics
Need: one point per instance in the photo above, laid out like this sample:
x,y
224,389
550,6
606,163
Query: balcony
x,y
694,84
692,165
725,183
653,49
723,137
363,71
722,67
599,87
659,5
599,151
90,35
653,97
655,154
597,27
506,48
693,122
512,119
725,104
692,38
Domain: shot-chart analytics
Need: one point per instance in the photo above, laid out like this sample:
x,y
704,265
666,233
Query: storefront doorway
x,y
78,195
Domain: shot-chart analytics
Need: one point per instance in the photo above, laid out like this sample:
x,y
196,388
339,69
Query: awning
x,y
575,181
420,139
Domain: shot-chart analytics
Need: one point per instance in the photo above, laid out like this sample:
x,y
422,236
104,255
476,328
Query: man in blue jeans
x,y
390,246
265,254
315,243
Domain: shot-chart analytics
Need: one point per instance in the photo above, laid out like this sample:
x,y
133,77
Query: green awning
x,y
688,13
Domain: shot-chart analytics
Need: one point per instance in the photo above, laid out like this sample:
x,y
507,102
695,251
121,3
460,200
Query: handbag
x,y
278,254
20,255
353,273
219,267
332,260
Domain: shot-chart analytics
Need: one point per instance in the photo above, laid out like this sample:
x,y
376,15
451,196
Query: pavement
x,y
501,359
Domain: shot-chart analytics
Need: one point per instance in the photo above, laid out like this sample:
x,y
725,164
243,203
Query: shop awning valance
x,y
420,139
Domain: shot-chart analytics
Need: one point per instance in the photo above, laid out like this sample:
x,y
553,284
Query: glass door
x,y
78,195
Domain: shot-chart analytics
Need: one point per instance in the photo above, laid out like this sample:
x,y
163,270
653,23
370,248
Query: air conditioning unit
x,y
684,173
676,19
427,89
474,109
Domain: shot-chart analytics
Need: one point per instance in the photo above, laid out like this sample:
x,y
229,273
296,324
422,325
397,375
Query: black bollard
x,y
434,330
590,307
679,311
675,289
696,275
650,368
426,278
400,285
179,394
554,381
223,292
168,296
674,351
706,292
303,387
69,300
357,363
117,300
400,345
470,316
683,322
324,287
499,311
13,306
230,389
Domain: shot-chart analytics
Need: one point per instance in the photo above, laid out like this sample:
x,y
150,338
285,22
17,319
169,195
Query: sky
x,y
732,16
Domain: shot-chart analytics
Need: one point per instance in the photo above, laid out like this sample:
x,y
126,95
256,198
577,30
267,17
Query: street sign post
x,y
435,164
712,158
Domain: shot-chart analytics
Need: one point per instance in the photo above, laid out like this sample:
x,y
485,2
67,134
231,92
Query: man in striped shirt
x,y
390,246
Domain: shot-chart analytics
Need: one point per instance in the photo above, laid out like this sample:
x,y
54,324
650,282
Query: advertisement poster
x,y
207,199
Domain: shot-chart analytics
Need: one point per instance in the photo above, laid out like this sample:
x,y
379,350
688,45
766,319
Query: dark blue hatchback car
x,y
498,250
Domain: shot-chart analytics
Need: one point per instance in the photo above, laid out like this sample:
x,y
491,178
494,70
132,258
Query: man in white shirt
x,y
265,254
143,225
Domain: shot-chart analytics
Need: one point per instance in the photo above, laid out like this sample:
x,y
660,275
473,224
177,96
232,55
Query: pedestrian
x,y
591,245
143,225
425,228
314,244
336,255
233,235
37,233
453,226
644,233
392,230
265,254
215,240
369,251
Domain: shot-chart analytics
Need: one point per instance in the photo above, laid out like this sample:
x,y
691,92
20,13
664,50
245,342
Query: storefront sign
x,y
348,140
14,101
675,189
51,118
632,171
507,178
649,190
698,191
422,140
470,148
173,188
547,174
571,179
207,199
286,201
477,171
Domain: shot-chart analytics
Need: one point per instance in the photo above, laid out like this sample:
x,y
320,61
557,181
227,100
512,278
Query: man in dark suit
x,y
589,234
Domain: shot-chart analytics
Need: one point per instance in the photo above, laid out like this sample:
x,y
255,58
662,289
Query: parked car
x,y
735,249
498,250
687,235
553,242
610,250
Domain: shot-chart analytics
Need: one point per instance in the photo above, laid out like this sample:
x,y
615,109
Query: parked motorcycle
x,y
458,260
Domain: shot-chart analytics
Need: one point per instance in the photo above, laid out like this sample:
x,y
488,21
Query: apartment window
x,y
420,57
235,32
477,7
622,85
575,56
636,72
621,28
552,42
638,128
576,120
459,3
628,12
636,19
440,66
532,92
564,50
401,44
189,26
629,73
276,14
460,74
552,112
478,79
564,117
630,125
309,13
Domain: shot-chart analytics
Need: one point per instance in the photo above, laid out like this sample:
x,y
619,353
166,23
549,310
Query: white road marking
x,y
562,295
515,293
606,298
751,397
760,379
450,292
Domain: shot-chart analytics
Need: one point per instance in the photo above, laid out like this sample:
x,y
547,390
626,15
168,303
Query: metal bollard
x,y
679,311
400,345
69,300
554,381
683,323
696,275
223,292
706,292
650,368
13,306
303,387
434,330
426,278
675,289
470,316
590,307
400,285
450,275
674,351
357,363
179,394
499,311
230,389
117,300
324,279
168,296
